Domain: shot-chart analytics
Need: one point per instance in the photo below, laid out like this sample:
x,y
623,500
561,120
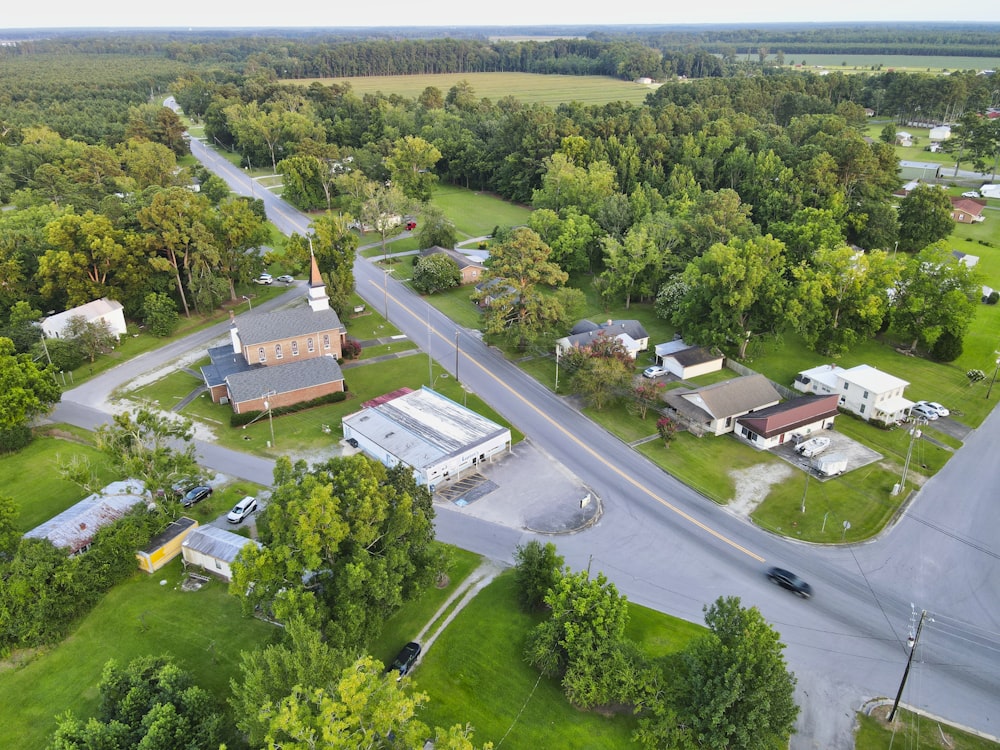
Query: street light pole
x,y
990,389
249,303
270,422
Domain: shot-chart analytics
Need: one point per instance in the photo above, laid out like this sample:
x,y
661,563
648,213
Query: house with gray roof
x,y
470,269
687,361
282,357
714,409
75,528
214,550
630,333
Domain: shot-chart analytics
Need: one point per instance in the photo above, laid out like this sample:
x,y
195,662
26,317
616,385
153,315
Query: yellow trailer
x,y
165,546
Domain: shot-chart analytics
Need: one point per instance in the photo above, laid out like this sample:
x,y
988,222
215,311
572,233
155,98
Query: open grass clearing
x,y
403,626
203,631
530,88
867,63
476,673
32,477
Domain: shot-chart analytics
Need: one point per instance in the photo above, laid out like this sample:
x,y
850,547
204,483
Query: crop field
x,y
899,63
529,88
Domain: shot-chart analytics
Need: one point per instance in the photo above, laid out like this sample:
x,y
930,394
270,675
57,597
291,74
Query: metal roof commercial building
x,y
438,438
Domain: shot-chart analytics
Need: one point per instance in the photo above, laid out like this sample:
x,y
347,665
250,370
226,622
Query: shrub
x,y
352,349
245,418
947,348
14,438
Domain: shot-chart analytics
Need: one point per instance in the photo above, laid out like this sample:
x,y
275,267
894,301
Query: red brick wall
x,y
252,353
289,398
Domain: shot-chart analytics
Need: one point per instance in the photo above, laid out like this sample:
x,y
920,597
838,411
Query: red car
x,y
410,226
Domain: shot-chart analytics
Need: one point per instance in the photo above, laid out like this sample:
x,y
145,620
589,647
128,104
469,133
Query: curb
x,y
870,705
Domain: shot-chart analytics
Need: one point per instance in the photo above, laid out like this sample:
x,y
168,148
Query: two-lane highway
x,y
669,548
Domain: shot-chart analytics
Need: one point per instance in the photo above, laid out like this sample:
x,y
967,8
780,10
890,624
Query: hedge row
x,y
238,420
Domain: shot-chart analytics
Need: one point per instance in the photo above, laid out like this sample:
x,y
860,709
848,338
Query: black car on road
x,y
787,579
405,659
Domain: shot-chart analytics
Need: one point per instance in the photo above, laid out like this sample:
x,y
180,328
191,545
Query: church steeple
x,y
318,298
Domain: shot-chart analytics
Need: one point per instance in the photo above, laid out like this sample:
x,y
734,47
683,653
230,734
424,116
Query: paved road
x,y
668,548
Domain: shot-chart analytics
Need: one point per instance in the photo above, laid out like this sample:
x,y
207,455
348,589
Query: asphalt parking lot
x,y
857,455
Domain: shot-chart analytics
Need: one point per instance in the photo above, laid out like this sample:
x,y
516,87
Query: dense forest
x,y
83,132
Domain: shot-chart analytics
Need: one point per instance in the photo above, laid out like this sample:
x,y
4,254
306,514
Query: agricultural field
x,y
530,88
899,63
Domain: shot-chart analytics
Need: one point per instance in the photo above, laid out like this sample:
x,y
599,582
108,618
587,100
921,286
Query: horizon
x,y
110,15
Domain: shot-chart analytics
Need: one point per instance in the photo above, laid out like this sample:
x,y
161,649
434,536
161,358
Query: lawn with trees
x,y
724,205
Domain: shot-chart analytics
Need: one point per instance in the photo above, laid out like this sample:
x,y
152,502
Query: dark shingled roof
x,y
224,363
693,355
261,328
725,399
293,376
791,415
463,261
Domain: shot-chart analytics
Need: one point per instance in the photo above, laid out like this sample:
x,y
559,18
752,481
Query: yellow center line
x,y
586,448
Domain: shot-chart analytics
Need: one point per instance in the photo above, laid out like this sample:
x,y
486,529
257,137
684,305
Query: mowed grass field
x,y
530,88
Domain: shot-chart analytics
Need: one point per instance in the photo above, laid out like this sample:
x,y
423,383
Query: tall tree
x,y
177,228
924,218
410,164
346,544
27,390
736,691
87,259
633,265
733,292
518,308
334,245
935,295
842,298
238,231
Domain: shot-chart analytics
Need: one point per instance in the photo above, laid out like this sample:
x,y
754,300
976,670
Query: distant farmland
x,y
901,63
530,88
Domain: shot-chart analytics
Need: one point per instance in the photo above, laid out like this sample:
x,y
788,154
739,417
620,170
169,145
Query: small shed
x,y
214,550
940,133
166,545
687,361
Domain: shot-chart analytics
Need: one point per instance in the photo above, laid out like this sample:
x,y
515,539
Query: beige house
x,y
715,409
686,361
214,550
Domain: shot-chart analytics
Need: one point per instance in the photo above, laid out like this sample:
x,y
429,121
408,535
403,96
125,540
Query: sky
x,y
296,13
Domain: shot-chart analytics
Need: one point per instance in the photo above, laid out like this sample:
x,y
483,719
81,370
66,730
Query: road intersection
x,y
669,548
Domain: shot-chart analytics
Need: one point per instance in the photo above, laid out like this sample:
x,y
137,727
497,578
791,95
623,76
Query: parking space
x,y
856,454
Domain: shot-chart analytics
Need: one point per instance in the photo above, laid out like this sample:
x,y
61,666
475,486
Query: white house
x,y
213,550
436,437
862,390
714,409
940,133
630,333
686,361
110,311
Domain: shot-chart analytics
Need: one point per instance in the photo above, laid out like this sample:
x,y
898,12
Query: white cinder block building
x,y
438,438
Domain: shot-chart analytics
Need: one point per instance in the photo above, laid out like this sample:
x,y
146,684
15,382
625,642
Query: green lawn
x,y
529,88
913,732
203,631
304,431
475,673
32,478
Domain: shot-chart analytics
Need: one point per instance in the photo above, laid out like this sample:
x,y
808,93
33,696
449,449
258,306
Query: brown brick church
x,y
282,357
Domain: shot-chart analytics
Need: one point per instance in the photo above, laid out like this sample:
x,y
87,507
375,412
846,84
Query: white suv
x,y
264,278
242,509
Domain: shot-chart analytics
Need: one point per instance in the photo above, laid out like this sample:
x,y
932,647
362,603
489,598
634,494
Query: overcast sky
x,y
247,13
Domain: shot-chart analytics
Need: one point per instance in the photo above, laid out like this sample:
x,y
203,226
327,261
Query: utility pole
x,y
909,661
808,472
557,369
456,359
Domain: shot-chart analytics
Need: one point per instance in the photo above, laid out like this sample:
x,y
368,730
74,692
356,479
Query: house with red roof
x,y
791,420
967,210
